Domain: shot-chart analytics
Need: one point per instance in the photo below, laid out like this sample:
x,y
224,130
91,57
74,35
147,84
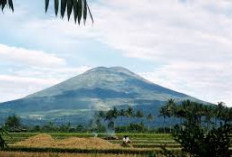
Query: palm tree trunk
x,y
164,126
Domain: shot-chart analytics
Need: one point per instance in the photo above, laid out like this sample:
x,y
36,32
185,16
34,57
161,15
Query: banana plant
x,y
79,8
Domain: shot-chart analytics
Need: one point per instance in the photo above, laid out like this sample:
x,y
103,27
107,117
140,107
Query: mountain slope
x,y
101,88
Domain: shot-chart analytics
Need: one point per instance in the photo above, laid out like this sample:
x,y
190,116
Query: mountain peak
x,y
99,77
116,79
100,88
117,69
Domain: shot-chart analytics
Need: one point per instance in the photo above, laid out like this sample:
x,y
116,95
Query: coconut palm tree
x,y
180,113
170,111
220,111
79,8
150,117
129,112
139,114
121,114
209,114
111,114
163,113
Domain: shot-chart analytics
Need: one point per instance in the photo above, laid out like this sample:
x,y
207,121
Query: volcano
x,y
75,100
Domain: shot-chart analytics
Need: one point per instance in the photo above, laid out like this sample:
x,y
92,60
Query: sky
x,y
184,45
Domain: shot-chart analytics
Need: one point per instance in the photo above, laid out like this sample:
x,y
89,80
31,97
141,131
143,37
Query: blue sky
x,y
182,45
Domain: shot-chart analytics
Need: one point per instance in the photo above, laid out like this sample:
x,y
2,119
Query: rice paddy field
x,y
86,145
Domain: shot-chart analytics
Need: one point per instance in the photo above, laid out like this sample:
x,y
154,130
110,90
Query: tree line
x,y
102,120
111,116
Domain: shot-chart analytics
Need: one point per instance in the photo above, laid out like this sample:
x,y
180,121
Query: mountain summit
x,y
101,88
115,82
98,78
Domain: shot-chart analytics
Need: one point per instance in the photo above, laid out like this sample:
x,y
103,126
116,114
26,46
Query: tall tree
x,y
209,114
170,107
150,117
139,114
129,112
13,122
163,113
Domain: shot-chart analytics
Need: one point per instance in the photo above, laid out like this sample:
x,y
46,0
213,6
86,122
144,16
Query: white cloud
x,y
191,39
27,81
14,87
60,73
29,57
207,82
165,30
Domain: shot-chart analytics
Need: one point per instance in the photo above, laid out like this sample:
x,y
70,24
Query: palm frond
x,y
79,8
4,3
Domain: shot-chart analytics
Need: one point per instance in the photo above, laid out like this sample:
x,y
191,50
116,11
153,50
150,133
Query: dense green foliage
x,y
204,129
13,123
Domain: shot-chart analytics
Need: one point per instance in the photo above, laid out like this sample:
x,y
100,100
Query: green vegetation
x,y
204,130
196,129
143,143
114,114
13,123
